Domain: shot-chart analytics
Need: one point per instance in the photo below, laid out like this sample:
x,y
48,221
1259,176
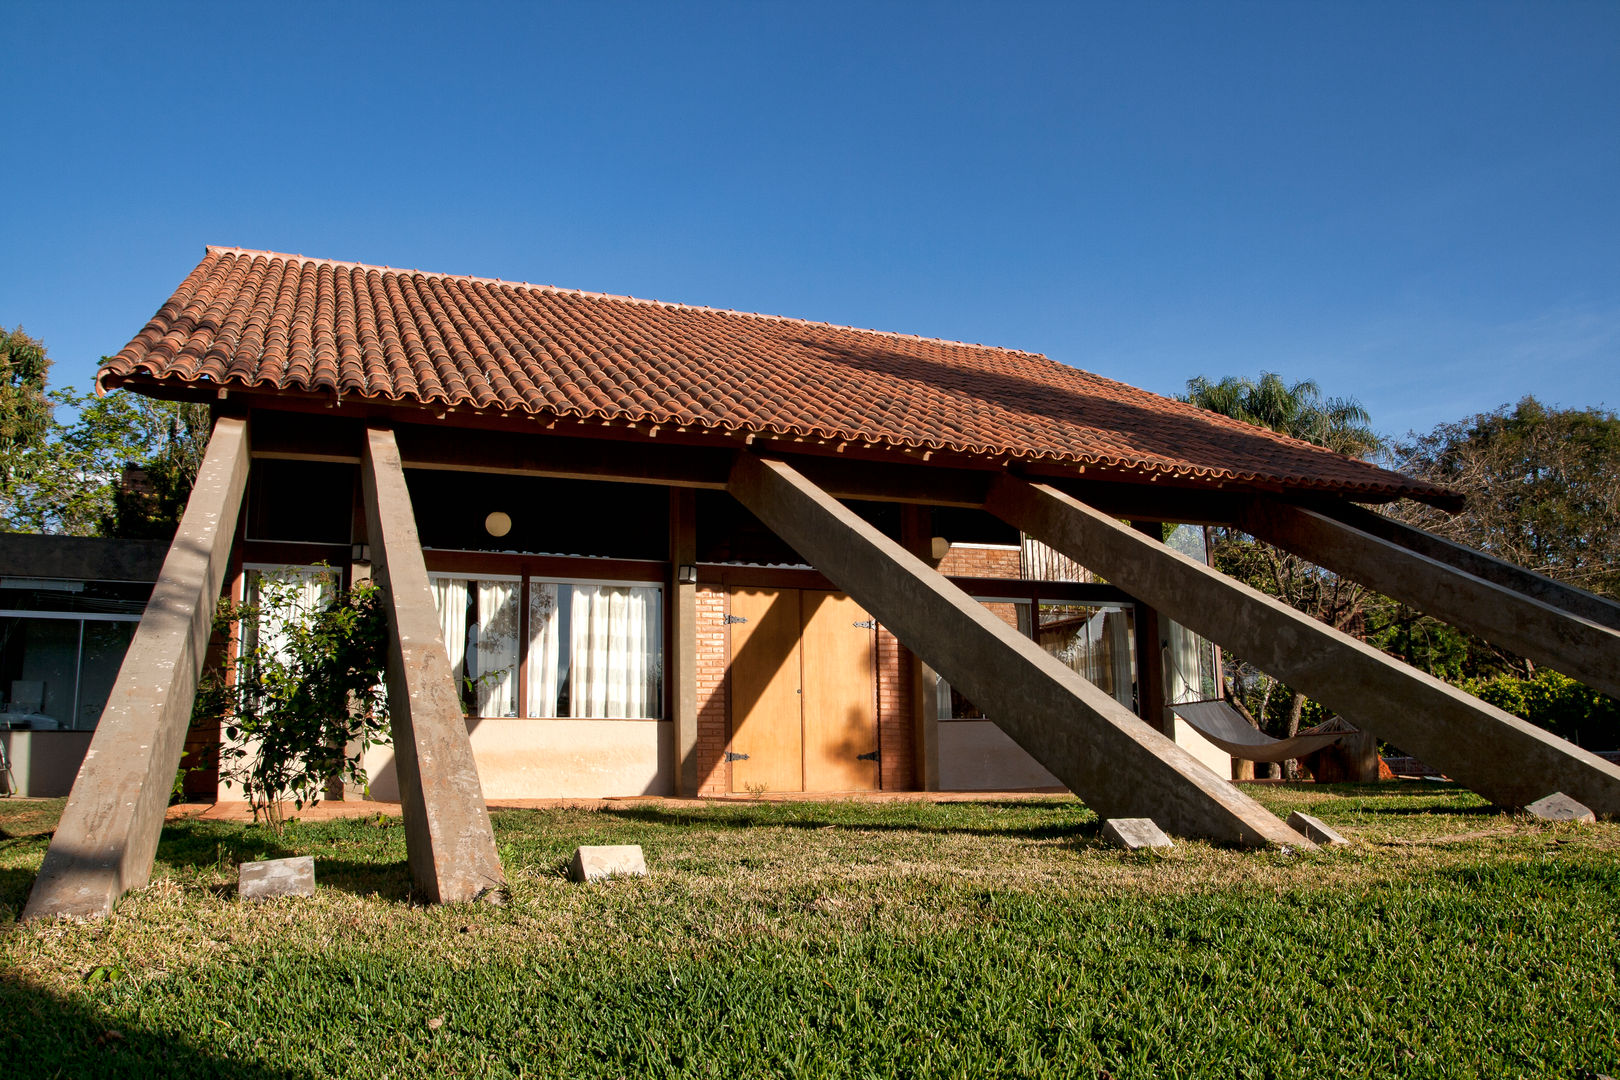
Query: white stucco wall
x,y
975,755
44,763
1218,760
556,759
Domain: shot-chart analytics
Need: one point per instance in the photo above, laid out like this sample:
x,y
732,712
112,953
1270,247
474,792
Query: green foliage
x,y
1568,709
25,414
1542,488
1298,410
305,699
123,467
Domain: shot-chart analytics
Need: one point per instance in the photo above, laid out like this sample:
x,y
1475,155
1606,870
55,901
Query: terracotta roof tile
x,y
271,321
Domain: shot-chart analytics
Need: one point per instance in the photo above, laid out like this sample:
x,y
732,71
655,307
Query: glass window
x,y
57,670
104,646
1096,641
281,593
1190,661
950,704
301,501
478,617
595,650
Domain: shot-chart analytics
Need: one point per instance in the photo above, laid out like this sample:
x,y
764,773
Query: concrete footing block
x,y
1135,833
274,878
1560,807
1314,829
609,860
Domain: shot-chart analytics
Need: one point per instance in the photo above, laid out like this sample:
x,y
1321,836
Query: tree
x,y
25,413
124,467
1542,488
1340,424
304,698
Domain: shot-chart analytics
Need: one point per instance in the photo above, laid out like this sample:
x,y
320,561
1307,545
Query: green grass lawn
x,y
843,939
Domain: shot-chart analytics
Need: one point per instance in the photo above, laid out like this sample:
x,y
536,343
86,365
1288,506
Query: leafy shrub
x,y
1556,702
305,698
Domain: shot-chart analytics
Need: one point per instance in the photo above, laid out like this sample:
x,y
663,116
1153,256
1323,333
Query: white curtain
x,y
1190,656
544,647
295,592
613,651
1118,628
492,663
450,597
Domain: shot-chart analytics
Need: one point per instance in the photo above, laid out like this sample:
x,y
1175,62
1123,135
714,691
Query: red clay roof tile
x,y
271,321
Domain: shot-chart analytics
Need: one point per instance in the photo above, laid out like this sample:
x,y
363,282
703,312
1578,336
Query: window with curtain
x,y
949,702
478,618
595,650
1095,641
1190,666
282,593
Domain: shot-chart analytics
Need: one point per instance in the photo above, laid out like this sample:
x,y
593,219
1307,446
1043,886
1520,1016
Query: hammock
x,y
1225,727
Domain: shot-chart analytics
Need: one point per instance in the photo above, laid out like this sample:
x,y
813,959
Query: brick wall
x,y
968,561
896,758
714,720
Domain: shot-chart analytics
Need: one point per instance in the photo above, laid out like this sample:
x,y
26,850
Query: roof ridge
x,y
218,249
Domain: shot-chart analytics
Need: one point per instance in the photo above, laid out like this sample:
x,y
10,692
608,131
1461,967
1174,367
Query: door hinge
x,y
873,756
733,619
866,624
735,757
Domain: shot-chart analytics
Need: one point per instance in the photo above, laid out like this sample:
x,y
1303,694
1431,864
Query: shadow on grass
x,y
47,1034
1434,811
207,845
743,819
14,886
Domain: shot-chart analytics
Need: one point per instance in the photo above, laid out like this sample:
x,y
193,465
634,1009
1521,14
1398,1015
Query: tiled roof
x,y
284,322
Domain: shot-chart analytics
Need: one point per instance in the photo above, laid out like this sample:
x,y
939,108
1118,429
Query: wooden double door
x,y
803,692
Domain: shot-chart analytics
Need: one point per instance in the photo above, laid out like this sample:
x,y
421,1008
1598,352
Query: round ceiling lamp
x,y
498,524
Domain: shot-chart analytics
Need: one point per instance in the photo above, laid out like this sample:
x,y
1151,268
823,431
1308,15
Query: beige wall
x,y
44,763
1218,760
557,759
975,755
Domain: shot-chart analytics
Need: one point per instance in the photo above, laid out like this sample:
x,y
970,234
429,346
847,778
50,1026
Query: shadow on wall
x,y
48,1034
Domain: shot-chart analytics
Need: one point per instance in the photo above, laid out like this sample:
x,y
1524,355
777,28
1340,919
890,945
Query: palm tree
x,y
1299,410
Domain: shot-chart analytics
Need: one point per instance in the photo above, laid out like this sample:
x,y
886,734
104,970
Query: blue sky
x,y
1414,204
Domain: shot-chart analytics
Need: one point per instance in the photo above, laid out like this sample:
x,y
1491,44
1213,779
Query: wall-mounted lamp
x,y
686,574
360,553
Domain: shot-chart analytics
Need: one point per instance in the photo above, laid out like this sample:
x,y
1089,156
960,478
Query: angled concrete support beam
x,y
1119,765
1577,646
448,840
108,833
1577,602
1500,756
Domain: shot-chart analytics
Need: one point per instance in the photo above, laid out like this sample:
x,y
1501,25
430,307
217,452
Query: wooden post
x,y
1500,756
917,535
1151,644
1573,644
108,834
681,650
449,844
1106,755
